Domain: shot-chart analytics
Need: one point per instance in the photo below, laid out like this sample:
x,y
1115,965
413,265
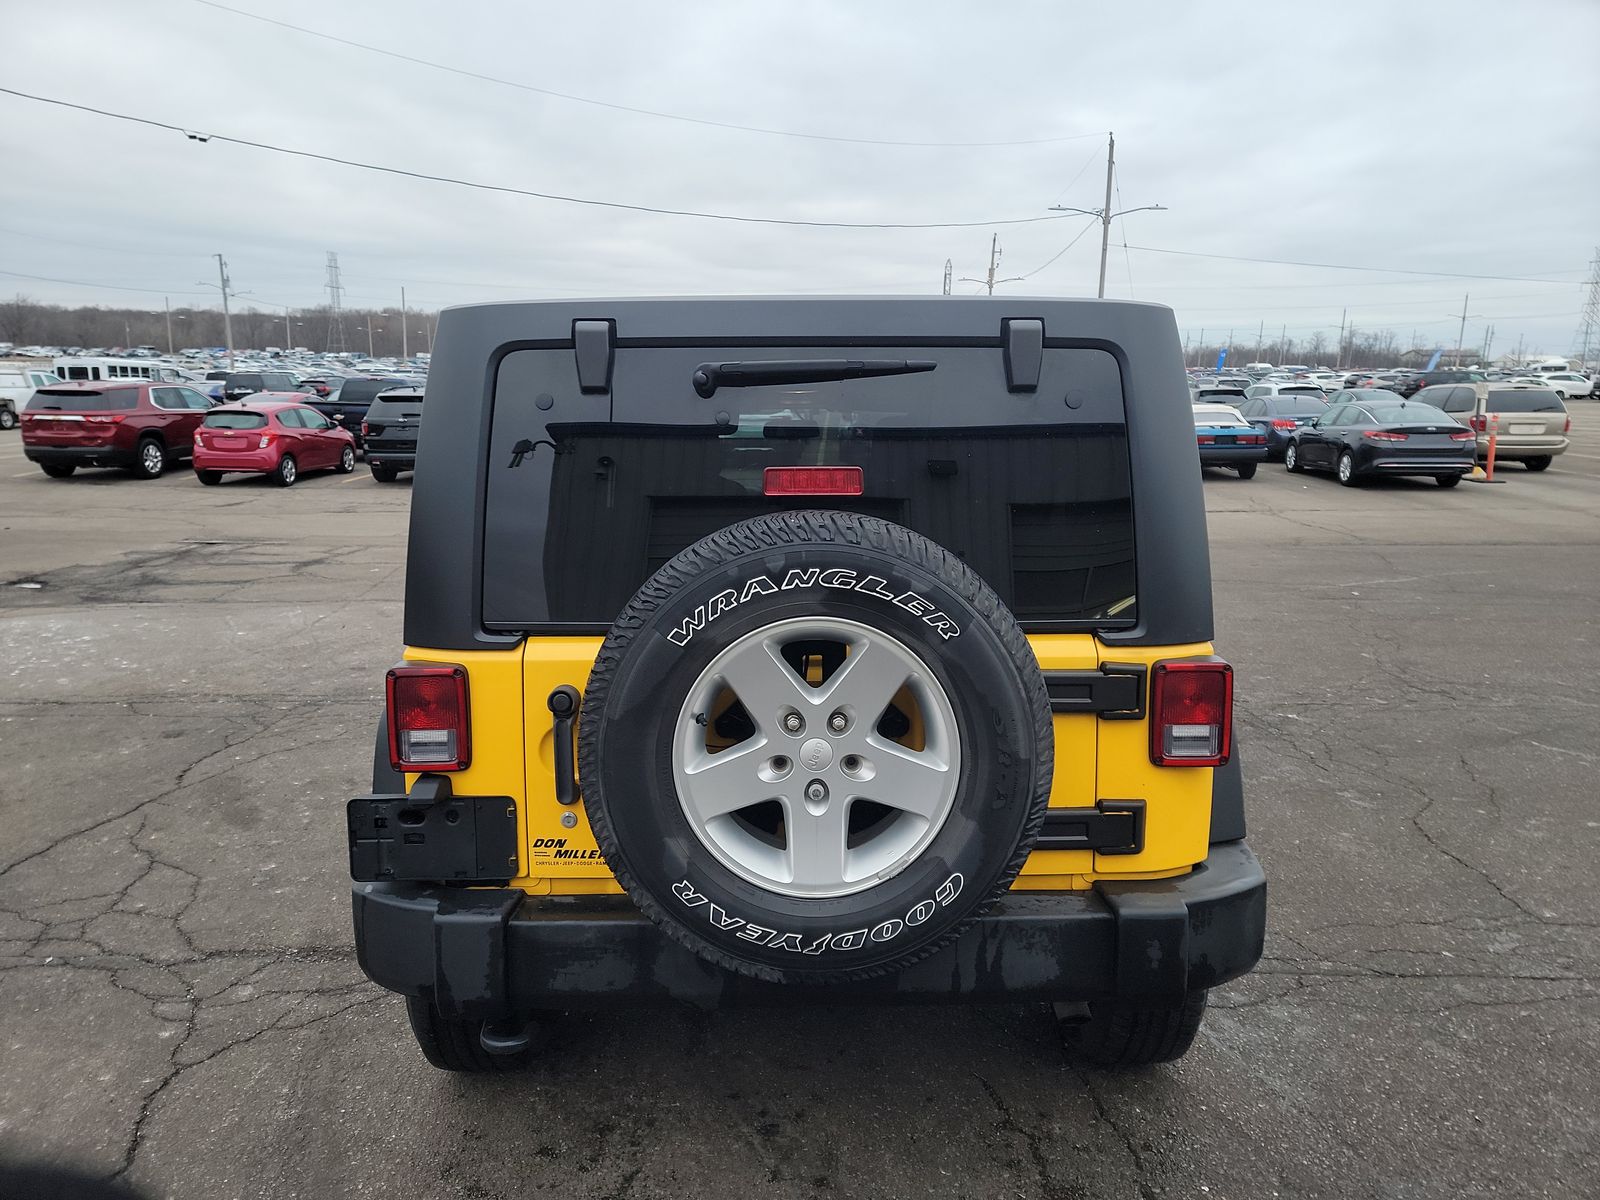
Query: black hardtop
x,y
444,602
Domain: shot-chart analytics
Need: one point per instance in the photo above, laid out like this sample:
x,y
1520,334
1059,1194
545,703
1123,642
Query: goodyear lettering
x,y
855,939
838,578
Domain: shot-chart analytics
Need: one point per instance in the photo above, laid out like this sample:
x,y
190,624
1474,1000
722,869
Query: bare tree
x,y
18,315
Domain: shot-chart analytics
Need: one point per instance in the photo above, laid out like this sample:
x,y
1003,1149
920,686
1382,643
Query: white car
x,y
1283,387
17,383
1566,384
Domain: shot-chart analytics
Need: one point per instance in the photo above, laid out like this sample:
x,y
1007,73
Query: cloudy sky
x,y
1456,145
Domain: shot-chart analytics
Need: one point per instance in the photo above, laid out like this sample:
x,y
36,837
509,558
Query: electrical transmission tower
x,y
335,306
1589,330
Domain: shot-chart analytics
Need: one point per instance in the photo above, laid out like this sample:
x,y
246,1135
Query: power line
x,y
195,136
1281,262
112,287
1095,221
642,112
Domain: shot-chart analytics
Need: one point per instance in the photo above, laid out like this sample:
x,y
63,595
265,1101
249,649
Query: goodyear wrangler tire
x,y
814,746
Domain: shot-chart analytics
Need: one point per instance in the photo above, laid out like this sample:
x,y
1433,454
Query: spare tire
x,y
814,746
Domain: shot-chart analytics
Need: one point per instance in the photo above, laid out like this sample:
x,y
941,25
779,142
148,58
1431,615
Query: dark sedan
x,y
1279,416
1359,439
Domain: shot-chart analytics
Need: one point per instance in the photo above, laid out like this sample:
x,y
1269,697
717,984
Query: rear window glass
x,y
235,420
361,391
1514,400
253,382
1032,490
1301,390
1425,414
1296,406
109,400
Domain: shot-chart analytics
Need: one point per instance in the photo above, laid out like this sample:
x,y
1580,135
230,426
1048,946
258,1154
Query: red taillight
x,y
428,726
1466,435
1253,439
812,481
104,418
1567,428
1479,423
364,429
1205,439
1383,435
1191,713
1282,423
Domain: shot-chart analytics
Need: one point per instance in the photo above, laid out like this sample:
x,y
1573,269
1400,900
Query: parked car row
x,y
1440,432
150,428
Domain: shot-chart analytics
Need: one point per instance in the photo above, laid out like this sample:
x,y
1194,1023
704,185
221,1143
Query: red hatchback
x,y
282,437
145,426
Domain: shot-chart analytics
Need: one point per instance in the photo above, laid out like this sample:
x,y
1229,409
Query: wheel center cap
x,y
816,755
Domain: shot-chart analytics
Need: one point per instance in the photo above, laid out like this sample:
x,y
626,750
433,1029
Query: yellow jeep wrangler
x,y
854,650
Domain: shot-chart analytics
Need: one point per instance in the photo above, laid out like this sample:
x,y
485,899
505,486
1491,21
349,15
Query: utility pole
x,y
1488,340
404,351
947,269
167,302
288,334
994,265
1105,213
1339,358
1260,334
1283,345
1462,335
227,317
369,335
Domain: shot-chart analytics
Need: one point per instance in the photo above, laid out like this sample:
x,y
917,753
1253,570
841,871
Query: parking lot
x,y
192,678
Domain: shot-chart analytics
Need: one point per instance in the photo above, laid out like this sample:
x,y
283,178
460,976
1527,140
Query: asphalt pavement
x,y
190,680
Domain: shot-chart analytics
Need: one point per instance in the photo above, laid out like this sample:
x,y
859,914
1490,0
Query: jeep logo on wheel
x,y
815,755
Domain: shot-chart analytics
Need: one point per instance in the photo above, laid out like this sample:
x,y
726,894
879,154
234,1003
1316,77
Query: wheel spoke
x,y
765,683
910,781
866,682
719,784
817,843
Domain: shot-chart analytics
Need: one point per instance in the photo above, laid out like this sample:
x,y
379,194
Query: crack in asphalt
x,y
1048,1185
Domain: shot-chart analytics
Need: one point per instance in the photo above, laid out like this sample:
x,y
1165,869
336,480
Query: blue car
x,y
1225,439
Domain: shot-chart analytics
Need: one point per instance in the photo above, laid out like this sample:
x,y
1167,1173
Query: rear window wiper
x,y
708,377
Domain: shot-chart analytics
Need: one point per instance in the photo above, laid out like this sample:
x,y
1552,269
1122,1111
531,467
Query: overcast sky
x,y
1459,137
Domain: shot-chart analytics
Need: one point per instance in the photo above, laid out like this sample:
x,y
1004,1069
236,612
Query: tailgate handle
x,y
1024,354
564,703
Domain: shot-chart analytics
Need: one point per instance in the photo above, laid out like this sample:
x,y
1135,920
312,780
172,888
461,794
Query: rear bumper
x,y
243,460
401,460
81,456
1416,466
493,952
1231,456
1515,446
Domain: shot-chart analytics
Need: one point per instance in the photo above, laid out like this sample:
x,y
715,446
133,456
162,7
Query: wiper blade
x,y
708,377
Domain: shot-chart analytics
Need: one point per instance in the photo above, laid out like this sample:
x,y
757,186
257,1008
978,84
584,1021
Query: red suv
x,y
145,426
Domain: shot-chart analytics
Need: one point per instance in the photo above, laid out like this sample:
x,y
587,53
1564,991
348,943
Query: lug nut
x,y
838,722
793,722
816,791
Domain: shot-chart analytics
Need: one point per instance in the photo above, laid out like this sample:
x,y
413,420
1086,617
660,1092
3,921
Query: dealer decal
x,y
839,578
855,939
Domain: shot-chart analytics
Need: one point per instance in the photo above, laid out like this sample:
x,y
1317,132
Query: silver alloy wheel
x,y
775,807
347,460
1291,457
152,459
1347,467
287,471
